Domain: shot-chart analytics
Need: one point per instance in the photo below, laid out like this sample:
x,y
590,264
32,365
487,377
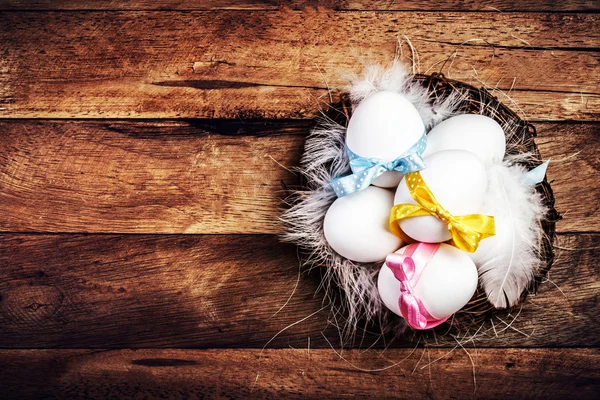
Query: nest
x,y
310,200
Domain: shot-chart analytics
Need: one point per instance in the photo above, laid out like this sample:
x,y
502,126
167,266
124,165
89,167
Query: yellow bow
x,y
466,230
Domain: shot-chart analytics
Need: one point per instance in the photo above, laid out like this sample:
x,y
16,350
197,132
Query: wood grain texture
x,y
237,64
144,177
382,5
300,374
101,246
98,291
146,291
206,176
573,170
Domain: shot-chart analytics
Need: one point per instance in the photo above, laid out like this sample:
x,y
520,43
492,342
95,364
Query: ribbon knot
x,y
390,166
366,170
404,268
466,230
407,269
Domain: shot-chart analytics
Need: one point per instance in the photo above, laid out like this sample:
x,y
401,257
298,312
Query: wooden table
x,y
141,148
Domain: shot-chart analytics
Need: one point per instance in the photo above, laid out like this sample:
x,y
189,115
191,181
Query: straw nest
x,y
348,285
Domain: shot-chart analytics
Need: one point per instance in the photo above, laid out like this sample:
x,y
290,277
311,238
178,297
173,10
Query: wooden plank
x,y
383,5
94,291
146,291
302,374
574,164
144,177
232,64
205,176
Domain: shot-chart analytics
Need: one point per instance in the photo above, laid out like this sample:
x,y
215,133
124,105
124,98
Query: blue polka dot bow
x,y
366,170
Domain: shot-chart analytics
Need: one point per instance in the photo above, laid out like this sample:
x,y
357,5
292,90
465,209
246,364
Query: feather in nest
x,y
508,261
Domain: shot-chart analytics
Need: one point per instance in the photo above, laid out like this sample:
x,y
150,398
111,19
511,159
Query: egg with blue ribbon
x,y
382,130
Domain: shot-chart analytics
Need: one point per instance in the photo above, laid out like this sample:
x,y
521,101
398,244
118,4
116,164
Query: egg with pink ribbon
x,y
425,283
384,126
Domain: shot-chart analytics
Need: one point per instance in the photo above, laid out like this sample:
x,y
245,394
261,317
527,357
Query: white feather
x,y
508,261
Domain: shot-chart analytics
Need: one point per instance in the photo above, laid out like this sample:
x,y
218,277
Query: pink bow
x,y
411,308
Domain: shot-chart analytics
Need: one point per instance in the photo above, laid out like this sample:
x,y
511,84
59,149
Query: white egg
x,y
458,180
446,283
356,226
384,125
476,133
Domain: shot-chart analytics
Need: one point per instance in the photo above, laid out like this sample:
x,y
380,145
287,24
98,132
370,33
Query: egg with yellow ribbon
x,y
442,202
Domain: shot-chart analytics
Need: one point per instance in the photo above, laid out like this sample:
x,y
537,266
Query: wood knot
x,y
30,304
